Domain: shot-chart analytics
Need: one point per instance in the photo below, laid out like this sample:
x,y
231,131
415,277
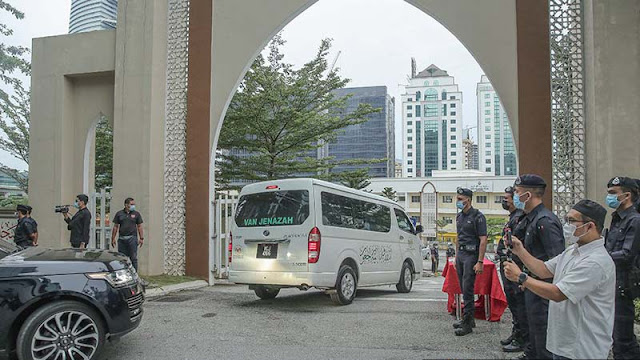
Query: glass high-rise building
x,y
90,15
495,140
431,123
373,139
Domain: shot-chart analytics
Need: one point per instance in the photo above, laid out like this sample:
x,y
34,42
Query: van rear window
x,y
274,208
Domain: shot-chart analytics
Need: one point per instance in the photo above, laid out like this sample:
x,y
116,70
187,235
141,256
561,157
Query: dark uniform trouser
x,y
625,345
537,316
129,247
434,264
467,278
515,301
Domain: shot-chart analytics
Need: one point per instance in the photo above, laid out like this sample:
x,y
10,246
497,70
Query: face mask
x,y
569,230
460,205
132,208
76,205
612,201
505,205
517,203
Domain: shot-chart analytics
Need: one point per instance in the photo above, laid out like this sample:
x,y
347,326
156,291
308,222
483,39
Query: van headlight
x,y
118,278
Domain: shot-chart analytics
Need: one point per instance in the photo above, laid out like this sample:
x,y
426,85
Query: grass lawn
x,y
163,280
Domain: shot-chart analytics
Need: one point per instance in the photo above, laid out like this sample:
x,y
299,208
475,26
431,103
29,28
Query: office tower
x,y
90,15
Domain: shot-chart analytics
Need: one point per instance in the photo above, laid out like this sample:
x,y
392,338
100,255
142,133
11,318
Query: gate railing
x,y
100,230
223,210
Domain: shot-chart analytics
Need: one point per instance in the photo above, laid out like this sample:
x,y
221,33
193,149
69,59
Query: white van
x,y
307,233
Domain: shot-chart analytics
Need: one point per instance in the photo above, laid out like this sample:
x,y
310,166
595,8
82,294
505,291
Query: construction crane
x,y
335,61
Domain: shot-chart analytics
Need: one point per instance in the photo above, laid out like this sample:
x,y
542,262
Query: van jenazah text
x,y
269,221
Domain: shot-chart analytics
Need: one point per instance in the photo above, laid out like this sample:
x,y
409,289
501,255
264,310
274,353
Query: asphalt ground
x,y
230,322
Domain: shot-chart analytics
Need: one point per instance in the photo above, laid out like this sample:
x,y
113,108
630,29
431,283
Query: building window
x,y
409,99
431,95
418,95
498,199
418,108
453,137
409,123
487,153
410,146
409,131
453,129
487,161
409,162
409,154
487,112
487,128
453,146
448,219
452,97
453,161
487,137
409,107
488,103
453,113
409,138
453,153
447,199
487,145
487,120
401,198
453,121
487,169
431,110
482,199
410,170
409,115
487,96
453,106
415,199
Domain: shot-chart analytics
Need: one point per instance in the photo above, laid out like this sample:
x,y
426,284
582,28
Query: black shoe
x,y
508,340
458,324
466,326
515,346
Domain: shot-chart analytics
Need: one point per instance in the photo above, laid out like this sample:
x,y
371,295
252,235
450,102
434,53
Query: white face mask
x,y
569,231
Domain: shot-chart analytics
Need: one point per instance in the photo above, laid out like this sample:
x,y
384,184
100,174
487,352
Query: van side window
x,y
403,222
345,212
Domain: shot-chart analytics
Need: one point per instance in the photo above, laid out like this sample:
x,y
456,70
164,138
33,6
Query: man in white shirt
x,y
582,306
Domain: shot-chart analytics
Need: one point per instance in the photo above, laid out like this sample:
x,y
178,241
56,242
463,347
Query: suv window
x,y
276,208
346,212
403,222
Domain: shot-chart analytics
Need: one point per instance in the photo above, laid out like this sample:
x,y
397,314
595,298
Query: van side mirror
x,y
419,229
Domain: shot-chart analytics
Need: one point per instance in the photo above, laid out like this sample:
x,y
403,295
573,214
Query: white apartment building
x,y
496,148
431,123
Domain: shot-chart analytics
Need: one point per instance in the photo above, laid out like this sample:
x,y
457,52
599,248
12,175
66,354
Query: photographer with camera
x,y
515,297
80,223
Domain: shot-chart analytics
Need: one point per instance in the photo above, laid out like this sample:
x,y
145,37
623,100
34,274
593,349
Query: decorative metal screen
x,y
567,103
175,146
428,215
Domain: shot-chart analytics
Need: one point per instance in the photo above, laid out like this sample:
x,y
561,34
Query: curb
x,y
165,290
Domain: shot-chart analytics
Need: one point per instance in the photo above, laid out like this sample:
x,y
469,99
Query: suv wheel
x,y
266,293
61,330
406,279
346,286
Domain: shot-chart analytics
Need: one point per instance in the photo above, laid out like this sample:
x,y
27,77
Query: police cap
x,y
22,208
466,192
509,190
531,181
592,210
623,181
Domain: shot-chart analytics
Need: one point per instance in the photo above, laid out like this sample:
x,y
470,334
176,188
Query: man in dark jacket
x,y
80,223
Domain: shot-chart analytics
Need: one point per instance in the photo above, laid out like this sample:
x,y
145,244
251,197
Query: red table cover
x,y
487,283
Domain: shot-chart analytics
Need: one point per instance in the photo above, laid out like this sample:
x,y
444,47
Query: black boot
x,y
508,340
466,327
515,346
458,324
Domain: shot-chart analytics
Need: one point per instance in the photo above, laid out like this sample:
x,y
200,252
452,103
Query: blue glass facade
x,y
91,15
374,139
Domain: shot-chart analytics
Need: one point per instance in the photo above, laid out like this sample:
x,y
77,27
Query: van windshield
x,y
274,208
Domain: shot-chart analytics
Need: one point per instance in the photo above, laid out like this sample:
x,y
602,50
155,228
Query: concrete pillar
x,y
534,91
612,57
139,113
198,125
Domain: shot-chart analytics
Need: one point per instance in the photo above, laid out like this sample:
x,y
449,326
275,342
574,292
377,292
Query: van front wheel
x,y
406,279
266,293
346,286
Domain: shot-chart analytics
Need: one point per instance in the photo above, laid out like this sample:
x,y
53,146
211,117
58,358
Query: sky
x,y
377,39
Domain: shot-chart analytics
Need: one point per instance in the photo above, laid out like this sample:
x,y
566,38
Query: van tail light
x,y
230,246
314,245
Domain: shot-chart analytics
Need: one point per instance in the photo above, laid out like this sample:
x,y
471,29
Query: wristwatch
x,y
522,278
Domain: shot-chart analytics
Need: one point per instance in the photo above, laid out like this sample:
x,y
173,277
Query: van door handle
x,y
267,241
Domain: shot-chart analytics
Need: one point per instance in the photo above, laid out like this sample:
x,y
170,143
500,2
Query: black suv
x,y
64,304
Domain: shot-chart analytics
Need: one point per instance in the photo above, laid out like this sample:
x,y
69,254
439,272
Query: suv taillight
x,y
230,246
314,245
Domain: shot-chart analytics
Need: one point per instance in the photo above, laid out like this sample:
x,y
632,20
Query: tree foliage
x,y
104,154
494,228
280,116
357,179
14,100
389,193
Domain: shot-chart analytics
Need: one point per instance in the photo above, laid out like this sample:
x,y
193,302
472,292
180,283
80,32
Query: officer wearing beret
x,y
24,234
625,227
515,297
540,231
471,226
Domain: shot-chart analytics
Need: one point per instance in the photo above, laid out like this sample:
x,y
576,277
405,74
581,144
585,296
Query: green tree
x,y
357,179
14,100
389,193
440,225
281,115
104,154
494,228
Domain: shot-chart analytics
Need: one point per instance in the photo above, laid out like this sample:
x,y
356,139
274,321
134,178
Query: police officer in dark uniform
x,y
472,243
625,226
127,226
540,231
515,296
24,233
33,223
435,258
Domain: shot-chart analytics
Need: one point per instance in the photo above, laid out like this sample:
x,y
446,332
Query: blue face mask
x,y
76,205
460,205
518,203
132,208
612,201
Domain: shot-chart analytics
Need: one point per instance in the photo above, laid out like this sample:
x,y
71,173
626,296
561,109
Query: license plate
x,y
267,251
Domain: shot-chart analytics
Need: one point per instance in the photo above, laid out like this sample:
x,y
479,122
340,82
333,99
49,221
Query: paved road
x,y
229,322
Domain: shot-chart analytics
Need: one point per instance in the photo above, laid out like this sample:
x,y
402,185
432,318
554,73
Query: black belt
x,y
469,248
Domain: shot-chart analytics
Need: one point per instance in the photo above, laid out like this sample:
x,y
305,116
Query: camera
x,y
63,209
